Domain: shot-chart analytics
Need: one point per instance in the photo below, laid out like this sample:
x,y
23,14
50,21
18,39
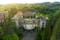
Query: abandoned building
x,y
3,14
28,20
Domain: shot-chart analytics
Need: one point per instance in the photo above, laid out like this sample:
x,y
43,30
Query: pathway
x,y
29,35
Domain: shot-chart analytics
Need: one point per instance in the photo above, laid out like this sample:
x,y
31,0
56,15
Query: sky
x,y
26,1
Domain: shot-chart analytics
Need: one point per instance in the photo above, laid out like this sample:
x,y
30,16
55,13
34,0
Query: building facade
x,y
3,14
28,20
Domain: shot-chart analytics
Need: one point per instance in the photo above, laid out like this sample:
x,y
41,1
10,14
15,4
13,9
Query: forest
x,y
8,30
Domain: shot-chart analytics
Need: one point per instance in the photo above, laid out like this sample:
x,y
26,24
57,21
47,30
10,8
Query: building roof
x,y
3,13
23,13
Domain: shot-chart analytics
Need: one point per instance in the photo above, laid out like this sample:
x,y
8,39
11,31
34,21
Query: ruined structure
x,y
28,20
3,14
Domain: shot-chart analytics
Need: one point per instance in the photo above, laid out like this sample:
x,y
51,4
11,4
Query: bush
x,y
1,30
10,37
1,33
19,32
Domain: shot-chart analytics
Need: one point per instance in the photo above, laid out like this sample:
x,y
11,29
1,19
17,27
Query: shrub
x,y
10,37
1,33
19,32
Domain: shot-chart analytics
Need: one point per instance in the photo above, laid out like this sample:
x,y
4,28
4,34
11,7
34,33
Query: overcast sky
x,y
26,1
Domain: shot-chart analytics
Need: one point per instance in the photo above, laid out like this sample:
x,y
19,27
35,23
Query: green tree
x,y
56,32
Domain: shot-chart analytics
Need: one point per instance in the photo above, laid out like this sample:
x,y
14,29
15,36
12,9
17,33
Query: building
x,y
27,20
3,14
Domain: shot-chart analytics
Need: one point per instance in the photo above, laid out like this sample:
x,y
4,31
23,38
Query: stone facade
x,y
28,21
3,14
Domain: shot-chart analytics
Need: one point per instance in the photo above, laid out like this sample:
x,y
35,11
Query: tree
x,y
56,32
